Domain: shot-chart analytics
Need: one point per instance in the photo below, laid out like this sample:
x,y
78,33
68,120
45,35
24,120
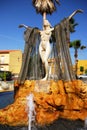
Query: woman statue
x,y
45,47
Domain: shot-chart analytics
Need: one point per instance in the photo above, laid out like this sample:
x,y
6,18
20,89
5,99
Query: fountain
x,y
30,109
47,79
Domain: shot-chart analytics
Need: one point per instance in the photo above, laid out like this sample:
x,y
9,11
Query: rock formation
x,y
53,100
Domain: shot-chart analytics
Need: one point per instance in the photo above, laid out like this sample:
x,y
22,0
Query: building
x,y
82,63
11,60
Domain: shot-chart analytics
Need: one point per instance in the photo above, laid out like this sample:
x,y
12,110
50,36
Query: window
x,y
1,68
2,60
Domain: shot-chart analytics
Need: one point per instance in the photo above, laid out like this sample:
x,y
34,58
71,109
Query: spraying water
x,y
31,110
85,123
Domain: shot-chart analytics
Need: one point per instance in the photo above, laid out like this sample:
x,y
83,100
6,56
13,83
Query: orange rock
x,y
54,88
61,87
44,117
66,99
69,87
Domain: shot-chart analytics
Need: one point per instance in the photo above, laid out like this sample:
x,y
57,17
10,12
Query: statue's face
x,y
46,27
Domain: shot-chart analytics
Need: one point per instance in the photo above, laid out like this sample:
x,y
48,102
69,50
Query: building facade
x,y
11,60
82,63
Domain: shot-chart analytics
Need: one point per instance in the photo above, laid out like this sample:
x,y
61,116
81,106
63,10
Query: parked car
x,y
82,76
5,75
14,76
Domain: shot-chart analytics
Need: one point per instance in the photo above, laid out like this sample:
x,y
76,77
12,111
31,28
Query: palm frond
x,y
47,6
57,1
82,47
72,25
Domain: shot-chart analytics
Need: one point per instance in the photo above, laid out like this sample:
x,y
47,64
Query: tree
x,y
86,71
76,44
82,68
72,25
45,7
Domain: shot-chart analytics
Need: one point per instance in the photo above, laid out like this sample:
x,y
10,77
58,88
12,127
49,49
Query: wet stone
x,y
42,86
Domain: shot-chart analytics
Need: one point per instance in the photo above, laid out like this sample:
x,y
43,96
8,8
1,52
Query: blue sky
x,y
15,12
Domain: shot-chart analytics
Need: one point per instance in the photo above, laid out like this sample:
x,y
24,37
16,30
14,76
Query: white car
x,y
82,76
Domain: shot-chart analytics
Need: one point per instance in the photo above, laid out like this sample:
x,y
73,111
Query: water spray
x,y
30,110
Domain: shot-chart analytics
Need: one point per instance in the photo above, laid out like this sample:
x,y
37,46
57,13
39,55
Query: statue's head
x,y
47,24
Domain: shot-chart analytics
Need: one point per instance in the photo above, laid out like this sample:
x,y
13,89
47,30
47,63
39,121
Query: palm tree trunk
x,y
44,18
44,15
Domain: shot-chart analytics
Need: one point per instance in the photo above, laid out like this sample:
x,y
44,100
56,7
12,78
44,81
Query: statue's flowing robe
x,y
65,67
32,67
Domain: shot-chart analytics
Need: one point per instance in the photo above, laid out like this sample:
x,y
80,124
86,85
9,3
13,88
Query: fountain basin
x,y
65,99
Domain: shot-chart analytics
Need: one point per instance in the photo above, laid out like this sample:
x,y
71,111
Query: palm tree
x,y
45,7
76,44
72,25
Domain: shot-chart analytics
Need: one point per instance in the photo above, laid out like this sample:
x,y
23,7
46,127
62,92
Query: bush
x,y
5,75
86,71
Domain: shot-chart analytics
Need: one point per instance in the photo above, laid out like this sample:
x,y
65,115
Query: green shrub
x,y
5,75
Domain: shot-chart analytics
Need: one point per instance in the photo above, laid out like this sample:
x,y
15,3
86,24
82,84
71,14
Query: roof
x,y
7,51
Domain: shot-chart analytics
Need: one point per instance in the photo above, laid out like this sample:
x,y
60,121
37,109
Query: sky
x,y
16,12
